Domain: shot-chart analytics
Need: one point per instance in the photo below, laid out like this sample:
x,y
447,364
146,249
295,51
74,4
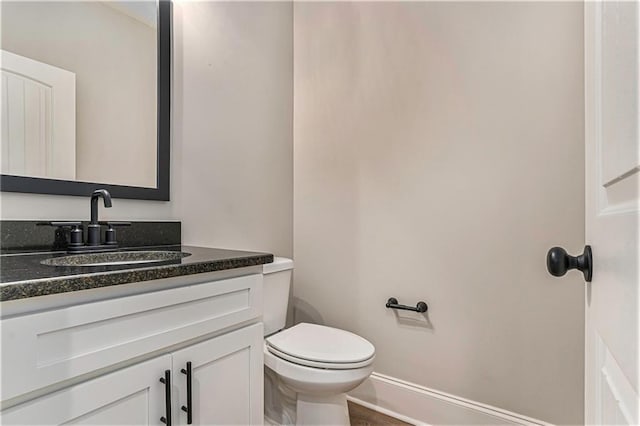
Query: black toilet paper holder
x,y
392,303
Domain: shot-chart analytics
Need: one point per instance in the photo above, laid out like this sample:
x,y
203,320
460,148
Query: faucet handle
x,y
75,231
114,223
110,233
59,224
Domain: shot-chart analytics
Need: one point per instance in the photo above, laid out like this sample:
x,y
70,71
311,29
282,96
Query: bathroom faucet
x,y
93,228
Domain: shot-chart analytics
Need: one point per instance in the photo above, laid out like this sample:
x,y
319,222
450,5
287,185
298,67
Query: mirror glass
x,y
79,91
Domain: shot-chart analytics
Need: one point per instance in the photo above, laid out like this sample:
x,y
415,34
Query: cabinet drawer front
x,y
42,349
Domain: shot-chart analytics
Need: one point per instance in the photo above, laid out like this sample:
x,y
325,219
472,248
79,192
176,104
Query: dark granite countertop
x,y
23,276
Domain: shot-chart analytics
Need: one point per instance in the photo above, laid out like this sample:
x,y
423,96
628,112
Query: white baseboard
x,y
419,405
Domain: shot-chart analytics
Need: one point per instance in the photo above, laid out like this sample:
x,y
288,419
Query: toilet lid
x,y
320,345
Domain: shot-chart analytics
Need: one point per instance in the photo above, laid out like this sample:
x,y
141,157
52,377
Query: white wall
x,y
438,154
114,58
233,116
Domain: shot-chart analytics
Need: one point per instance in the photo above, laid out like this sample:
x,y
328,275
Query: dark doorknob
x,y
559,262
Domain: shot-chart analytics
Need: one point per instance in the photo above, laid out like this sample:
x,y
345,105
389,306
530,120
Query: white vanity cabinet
x,y
101,362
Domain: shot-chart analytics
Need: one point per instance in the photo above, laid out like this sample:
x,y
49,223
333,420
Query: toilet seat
x,y
318,346
318,364
312,380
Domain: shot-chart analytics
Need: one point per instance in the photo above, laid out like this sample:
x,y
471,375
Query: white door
x,y
612,96
226,380
131,396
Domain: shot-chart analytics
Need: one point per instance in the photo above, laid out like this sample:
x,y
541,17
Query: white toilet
x,y
308,368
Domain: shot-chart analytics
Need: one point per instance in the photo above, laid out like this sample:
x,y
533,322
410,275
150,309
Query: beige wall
x,y
233,116
438,154
15,206
114,60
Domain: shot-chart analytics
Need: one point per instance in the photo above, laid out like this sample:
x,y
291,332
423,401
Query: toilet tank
x,y
277,281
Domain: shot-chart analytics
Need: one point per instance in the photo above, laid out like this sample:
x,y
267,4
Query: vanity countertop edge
x,y
23,276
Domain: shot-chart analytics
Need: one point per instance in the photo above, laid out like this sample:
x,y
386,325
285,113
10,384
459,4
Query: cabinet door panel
x,y
133,395
227,379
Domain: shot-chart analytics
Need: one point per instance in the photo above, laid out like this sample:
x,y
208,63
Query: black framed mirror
x,y
19,182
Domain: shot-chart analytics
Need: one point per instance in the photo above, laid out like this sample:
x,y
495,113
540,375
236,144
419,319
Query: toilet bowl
x,y
308,367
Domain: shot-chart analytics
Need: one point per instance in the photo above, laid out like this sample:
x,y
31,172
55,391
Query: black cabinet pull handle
x,y
167,397
559,262
189,408
392,303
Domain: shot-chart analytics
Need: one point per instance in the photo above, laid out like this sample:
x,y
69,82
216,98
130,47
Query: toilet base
x,y
322,410
301,395
279,401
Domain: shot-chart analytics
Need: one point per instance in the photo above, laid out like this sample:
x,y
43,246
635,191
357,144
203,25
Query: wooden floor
x,y
362,416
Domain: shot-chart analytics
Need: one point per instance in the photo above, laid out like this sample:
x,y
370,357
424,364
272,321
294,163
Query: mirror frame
x,y
32,185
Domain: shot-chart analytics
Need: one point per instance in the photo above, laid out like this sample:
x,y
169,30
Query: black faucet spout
x,y
94,203
93,228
